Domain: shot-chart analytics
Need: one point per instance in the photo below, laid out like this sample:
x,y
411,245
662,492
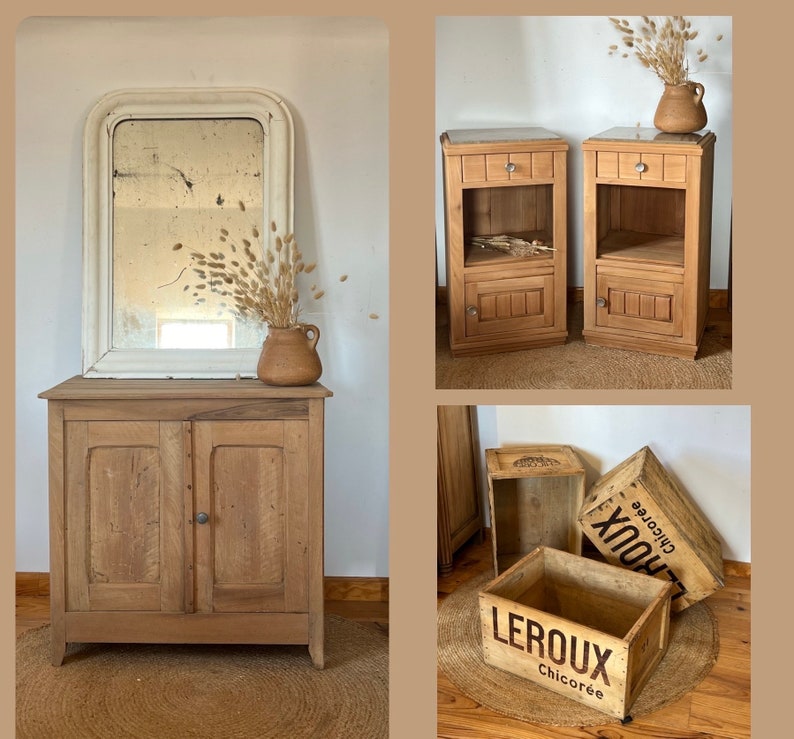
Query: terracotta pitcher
x,y
289,356
681,109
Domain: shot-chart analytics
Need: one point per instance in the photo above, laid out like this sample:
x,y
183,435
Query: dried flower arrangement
x,y
512,245
262,286
661,45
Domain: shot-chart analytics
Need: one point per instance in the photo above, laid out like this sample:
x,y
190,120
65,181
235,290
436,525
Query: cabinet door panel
x,y
251,480
509,305
124,505
653,306
123,499
248,514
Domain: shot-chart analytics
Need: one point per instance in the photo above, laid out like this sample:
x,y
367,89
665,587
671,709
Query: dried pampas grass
x,y
660,44
258,282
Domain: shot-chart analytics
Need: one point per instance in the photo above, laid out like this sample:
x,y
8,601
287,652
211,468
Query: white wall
x,y
705,448
333,74
555,72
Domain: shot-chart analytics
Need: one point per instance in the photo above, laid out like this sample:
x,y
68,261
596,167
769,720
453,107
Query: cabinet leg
x,y
317,640
57,652
318,657
57,637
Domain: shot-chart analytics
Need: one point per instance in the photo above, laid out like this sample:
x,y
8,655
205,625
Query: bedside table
x,y
647,239
505,181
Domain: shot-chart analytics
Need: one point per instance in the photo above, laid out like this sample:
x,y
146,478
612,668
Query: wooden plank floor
x,y
718,708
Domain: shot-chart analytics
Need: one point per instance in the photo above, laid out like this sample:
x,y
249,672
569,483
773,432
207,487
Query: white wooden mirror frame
x,y
100,357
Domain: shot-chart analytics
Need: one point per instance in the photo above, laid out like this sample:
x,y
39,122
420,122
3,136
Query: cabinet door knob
x,y
510,167
641,167
471,310
601,302
202,518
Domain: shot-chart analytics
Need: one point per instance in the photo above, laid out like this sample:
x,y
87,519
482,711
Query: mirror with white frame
x,y
197,167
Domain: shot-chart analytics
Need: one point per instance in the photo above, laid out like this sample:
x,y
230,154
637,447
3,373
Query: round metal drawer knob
x,y
641,167
202,518
510,167
601,302
471,310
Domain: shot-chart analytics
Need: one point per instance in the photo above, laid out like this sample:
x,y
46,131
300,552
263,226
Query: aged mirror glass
x,y
198,168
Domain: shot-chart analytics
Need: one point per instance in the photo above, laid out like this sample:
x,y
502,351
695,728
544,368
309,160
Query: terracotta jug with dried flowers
x,y
289,356
265,287
661,45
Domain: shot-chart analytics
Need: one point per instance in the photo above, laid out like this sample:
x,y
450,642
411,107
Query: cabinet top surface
x,y
499,135
82,388
635,134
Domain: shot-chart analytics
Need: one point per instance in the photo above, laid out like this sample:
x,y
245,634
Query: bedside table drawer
x,y
641,166
507,167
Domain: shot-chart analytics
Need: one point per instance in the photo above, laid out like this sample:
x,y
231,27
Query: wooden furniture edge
x,y
335,588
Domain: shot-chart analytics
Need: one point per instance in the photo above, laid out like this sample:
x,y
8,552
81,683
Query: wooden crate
x,y
535,494
639,518
585,629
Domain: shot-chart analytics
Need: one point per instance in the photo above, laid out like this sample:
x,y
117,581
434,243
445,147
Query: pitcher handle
x,y
699,90
312,333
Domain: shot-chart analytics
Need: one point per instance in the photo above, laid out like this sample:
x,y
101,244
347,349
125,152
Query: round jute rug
x,y
212,691
692,652
576,365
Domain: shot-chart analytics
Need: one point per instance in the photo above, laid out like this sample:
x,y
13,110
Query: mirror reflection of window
x,y
181,181
176,334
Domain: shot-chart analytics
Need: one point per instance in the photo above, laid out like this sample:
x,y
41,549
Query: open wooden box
x,y
585,629
639,518
535,494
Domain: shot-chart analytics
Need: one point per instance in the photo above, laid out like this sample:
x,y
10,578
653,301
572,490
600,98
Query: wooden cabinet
x,y
508,182
459,510
647,239
186,511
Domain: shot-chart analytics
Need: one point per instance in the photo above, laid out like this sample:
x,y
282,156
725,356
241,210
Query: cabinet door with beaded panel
x,y
123,503
251,516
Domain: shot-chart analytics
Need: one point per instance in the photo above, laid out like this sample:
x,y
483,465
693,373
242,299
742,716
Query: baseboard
x,y
718,298
336,588
357,588
33,583
736,569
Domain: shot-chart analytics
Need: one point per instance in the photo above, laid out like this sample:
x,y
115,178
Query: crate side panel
x,y
504,517
631,531
672,500
546,512
567,658
516,581
534,461
617,478
634,589
647,647
610,614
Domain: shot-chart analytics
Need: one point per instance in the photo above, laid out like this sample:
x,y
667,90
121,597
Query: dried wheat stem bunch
x,y
259,282
660,44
